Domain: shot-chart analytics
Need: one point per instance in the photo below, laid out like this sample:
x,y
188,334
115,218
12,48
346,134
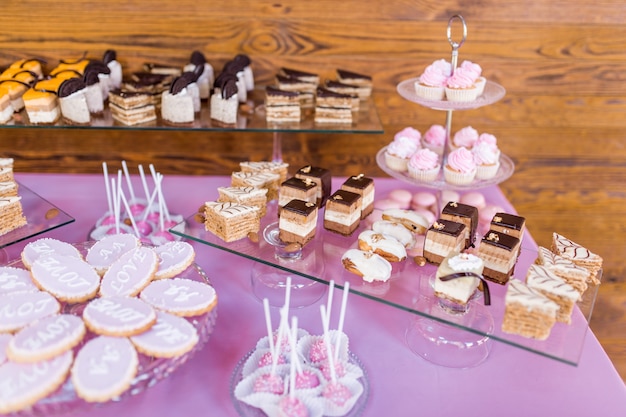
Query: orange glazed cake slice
x,y
575,275
527,312
578,254
231,221
553,287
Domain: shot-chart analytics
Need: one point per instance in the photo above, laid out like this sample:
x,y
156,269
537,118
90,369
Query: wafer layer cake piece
x,y
11,214
282,106
443,238
527,312
247,196
266,180
8,189
499,252
347,89
297,189
331,107
575,275
298,222
364,82
131,108
305,89
321,177
363,186
6,169
549,284
578,254
343,212
231,221
463,213
279,168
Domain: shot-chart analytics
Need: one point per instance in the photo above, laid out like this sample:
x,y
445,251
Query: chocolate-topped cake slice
x,y
343,212
442,238
297,189
305,89
321,177
305,76
349,90
510,224
331,107
463,213
499,252
298,221
131,108
364,82
363,186
281,105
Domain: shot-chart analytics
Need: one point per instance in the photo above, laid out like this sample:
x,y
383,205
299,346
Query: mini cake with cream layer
x,y
443,238
499,252
298,222
364,186
343,212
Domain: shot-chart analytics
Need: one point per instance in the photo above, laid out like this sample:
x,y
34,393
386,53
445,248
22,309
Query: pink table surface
x,y
511,382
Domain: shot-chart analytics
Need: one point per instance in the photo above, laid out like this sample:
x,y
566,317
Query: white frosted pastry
x,y
410,219
396,230
384,245
370,266
458,290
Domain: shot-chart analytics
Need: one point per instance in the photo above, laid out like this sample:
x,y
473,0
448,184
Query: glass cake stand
x,y
41,217
151,370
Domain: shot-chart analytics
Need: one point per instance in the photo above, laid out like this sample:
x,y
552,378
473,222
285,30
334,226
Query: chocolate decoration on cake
x,y
500,240
349,74
40,60
274,91
15,81
98,66
345,197
91,78
324,92
299,183
292,73
33,74
299,206
70,86
450,277
448,227
197,58
221,79
148,78
242,59
75,61
179,84
73,71
509,221
360,181
109,56
229,89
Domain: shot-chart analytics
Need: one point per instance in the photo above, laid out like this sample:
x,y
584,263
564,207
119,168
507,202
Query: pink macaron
x,y
474,198
401,196
425,200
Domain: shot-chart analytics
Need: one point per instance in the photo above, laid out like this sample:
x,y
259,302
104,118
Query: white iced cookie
x,y
104,368
412,220
128,275
20,309
169,337
396,230
118,316
46,338
47,246
68,278
5,338
15,280
174,258
180,296
384,245
108,249
370,266
31,382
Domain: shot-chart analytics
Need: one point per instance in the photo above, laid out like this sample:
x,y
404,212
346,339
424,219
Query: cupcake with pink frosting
x,y
489,139
435,139
424,165
431,84
476,73
409,133
460,86
487,160
460,168
465,138
399,151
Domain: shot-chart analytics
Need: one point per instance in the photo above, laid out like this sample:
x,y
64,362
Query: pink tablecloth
x,y
511,382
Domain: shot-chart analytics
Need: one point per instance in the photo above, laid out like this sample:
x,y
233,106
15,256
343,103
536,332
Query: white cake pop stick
x,y
294,358
105,171
329,350
149,204
128,182
342,315
329,302
144,183
130,215
116,210
288,292
268,324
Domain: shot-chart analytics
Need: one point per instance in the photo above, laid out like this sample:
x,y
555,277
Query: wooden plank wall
x,y
562,120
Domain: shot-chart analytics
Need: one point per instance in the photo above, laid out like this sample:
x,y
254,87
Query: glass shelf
x,y
41,216
409,287
251,118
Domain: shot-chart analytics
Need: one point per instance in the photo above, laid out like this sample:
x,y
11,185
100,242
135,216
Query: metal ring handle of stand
x,y
453,62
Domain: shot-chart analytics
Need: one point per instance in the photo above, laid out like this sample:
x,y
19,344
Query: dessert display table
x,y
511,382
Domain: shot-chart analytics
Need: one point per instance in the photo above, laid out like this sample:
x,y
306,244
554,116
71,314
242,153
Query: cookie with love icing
x,y
15,280
46,338
47,246
18,310
68,278
104,368
128,275
31,382
118,316
180,296
174,258
109,249
169,337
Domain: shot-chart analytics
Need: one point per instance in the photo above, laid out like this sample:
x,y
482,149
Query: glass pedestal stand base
x,y
445,344
269,281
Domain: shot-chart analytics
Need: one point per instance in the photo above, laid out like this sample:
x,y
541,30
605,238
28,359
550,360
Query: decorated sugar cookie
x,y
108,249
68,278
174,258
180,296
104,368
169,337
18,310
15,280
47,246
118,316
130,273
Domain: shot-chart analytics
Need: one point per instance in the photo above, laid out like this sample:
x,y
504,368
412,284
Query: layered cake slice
x,y
131,108
347,89
443,238
363,186
463,213
556,289
364,82
343,212
305,76
321,177
578,254
276,167
267,180
224,100
11,214
282,106
458,277
568,271
298,221
305,89
527,312
297,189
248,196
177,103
499,252
331,107
73,101
509,224
231,221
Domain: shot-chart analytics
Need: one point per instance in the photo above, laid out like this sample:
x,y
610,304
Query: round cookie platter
x,y
150,370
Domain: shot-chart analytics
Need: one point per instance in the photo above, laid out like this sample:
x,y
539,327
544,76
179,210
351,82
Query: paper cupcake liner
x,y
480,83
485,172
462,94
424,175
314,406
396,163
244,391
332,409
458,178
428,92
304,345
